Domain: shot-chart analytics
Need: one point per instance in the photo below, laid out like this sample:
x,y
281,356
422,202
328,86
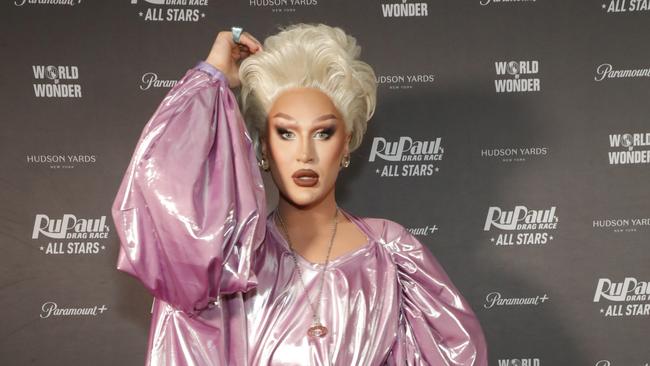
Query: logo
x,y
282,6
404,9
406,157
530,226
635,148
61,161
396,82
516,76
627,298
519,362
181,11
56,81
619,225
423,230
488,2
624,6
494,299
608,363
47,2
514,154
71,235
51,309
151,80
606,71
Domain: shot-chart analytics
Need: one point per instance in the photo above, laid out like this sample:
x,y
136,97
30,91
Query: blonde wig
x,y
308,56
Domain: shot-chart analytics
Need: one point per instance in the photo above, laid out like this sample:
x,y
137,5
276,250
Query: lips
x,y
305,177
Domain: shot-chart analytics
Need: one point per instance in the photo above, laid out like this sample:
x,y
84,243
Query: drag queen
x,y
307,283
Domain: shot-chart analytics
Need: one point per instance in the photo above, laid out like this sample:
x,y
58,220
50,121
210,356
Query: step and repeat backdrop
x,y
512,137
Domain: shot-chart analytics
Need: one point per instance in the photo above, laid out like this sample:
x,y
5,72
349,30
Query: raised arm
x,y
191,208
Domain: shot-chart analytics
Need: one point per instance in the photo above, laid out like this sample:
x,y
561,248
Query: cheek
x,y
331,153
278,149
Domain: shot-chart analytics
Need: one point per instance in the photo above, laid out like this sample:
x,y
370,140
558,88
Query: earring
x,y
346,161
264,164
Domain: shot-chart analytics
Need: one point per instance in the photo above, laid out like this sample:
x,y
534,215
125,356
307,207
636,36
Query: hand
x,y
226,55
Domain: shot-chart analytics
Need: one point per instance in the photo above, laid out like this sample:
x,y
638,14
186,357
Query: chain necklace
x,y
317,329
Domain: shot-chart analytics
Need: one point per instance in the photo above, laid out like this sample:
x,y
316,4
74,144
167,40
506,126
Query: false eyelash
x,y
328,131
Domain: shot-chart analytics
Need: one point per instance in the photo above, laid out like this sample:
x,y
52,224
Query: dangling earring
x,y
264,164
346,161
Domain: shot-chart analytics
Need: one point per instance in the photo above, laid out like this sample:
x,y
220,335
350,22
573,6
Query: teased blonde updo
x,y
308,55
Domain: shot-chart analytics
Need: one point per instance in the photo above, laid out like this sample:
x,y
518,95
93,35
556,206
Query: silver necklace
x,y
317,329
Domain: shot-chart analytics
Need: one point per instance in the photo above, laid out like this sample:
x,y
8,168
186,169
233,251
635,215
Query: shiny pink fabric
x,y
191,216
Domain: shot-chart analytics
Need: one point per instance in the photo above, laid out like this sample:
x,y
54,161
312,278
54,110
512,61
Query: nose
x,y
306,153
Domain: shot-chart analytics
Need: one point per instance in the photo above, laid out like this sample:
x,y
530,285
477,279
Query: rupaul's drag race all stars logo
x,y
635,148
626,6
56,81
182,11
517,76
521,226
406,157
70,235
630,297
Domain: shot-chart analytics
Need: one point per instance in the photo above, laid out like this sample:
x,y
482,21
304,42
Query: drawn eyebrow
x,y
324,117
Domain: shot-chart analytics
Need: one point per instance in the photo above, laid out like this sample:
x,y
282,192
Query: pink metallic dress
x,y
191,216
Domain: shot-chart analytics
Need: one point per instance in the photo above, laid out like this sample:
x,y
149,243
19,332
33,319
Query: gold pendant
x,y
317,330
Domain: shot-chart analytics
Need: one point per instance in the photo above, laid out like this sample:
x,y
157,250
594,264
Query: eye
x,y
326,133
283,133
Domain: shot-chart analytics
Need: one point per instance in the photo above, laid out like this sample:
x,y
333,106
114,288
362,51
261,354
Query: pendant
x,y
317,330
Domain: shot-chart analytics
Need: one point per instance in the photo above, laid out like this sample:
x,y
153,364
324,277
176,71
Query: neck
x,y
311,219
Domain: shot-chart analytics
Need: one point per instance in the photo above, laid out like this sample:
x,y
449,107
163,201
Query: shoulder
x,y
384,228
391,234
407,253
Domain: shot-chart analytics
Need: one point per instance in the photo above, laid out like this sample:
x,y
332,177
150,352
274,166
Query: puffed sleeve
x,y
437,325
191,209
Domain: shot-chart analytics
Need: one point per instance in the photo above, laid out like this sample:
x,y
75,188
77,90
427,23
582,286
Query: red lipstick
x,y
305,177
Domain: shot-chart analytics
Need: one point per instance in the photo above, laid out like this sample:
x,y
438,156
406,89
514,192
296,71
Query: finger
x,y
244,50
250,41
243,53
253,38
231,40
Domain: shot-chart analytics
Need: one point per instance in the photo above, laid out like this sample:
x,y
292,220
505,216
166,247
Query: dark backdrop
x,y
537,109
